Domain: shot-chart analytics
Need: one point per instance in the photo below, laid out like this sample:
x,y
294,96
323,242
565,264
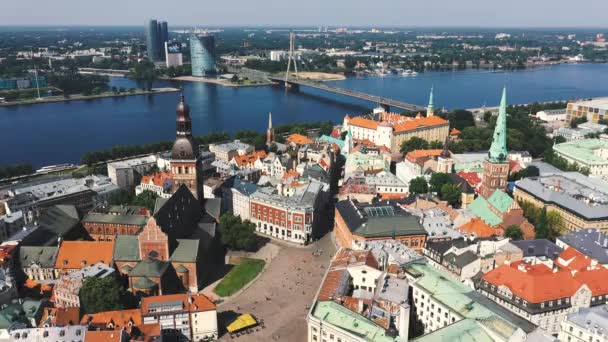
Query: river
x,y
53,133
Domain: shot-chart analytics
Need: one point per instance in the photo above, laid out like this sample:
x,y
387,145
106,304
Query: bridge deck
x,y
356,94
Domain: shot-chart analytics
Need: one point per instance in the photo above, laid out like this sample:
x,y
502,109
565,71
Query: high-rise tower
x,y
185,154
430,110
152,40
202,54
496,165
269,131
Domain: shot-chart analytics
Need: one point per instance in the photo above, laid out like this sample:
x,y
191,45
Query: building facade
x,y
203,56
593,110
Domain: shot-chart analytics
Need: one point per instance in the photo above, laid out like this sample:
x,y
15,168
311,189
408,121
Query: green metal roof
x,y
186,251
465,330
126,248
391,225
126,267
498,149
181,269
468,303
339,316
482,207
430,106
330,139
144,283
500,200
149,268
583,151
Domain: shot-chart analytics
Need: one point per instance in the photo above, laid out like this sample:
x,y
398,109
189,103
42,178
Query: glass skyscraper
x,y
157,33
202,54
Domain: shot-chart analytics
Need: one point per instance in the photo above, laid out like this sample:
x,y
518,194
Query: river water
x,y
62,132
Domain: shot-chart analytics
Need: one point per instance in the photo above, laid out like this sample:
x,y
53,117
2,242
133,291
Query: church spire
x,y
446,151
498,150
430,110
269,131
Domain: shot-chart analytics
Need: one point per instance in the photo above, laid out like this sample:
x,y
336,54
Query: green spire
x,y
430,106
498,150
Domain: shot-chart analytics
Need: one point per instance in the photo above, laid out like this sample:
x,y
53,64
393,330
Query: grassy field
x,y
239,276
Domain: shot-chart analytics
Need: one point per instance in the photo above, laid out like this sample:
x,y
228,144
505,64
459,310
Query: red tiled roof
x,y
363,122
454,131
72,254
298,139
119,319
60,316
248,159
291,174
103,336
413,156
471,177
418,123
330,284
479,228
574,260
531,281
594,279
157,179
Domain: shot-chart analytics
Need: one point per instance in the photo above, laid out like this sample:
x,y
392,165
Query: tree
x,y
101,294
414,143
418,185
559,139
542,226
236,233
438,179
514,232
121,197
554,222
272,148
451,194
146,199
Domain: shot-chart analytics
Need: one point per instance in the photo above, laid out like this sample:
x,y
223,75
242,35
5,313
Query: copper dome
x,y
183,149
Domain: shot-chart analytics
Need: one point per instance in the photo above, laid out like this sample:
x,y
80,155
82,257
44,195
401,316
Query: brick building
x,y
104,223
356,223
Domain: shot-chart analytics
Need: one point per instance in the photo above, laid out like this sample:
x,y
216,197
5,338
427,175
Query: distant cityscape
x,y
405,221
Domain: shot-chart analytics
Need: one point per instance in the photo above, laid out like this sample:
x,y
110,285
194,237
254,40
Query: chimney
x,y
360,305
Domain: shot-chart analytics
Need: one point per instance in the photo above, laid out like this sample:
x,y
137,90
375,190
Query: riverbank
x,y
219,81
80,97
318,76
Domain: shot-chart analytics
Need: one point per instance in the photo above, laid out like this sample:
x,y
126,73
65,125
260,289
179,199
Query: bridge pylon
x,y
291,57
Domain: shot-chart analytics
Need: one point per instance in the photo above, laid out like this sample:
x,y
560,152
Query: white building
x,y
587,153
173,58
227,151
241,192
122,173
588,324
552,115
387,183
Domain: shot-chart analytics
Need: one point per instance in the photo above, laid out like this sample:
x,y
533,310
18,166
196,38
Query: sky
x,y
380,13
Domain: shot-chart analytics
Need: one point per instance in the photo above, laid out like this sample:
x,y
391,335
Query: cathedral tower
x,y
445,162
269,131
496,165
185,154
430,110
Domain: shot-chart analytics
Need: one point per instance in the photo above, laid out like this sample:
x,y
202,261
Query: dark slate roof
x,y
462,184
213,207
126,248
461,260
440,247
186,251
179,215
149,268
379,219
538,248
135,220
244,187
43,256
316,172
59,219
144,283
590,242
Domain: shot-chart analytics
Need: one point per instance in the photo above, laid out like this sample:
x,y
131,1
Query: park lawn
x,y
239,276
